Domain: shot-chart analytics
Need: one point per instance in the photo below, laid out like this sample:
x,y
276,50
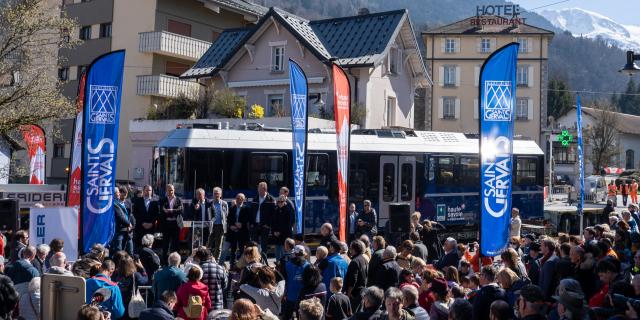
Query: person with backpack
x,y
193,296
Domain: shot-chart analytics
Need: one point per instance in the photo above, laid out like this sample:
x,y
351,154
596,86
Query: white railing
x,y
161,85
172,44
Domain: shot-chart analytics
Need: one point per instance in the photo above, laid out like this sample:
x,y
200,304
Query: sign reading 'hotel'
x,y
500,14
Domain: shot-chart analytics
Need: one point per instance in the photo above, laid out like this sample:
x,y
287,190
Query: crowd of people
x,y
370,276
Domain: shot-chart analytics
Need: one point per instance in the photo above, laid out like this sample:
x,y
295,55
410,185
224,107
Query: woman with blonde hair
x,y
244,309
252,261
512,261
510,282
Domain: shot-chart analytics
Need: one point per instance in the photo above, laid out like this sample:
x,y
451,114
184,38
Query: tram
x,y
436,173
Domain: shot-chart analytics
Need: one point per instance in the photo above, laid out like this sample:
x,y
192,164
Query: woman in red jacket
x,y
193,287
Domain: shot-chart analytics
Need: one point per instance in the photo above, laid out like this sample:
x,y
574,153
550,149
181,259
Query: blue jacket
x,y
336,267
114,304
167,278
21,271
159,311
293,283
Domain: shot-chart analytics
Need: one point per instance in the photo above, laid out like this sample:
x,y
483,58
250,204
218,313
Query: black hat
x,y
534,246
530,236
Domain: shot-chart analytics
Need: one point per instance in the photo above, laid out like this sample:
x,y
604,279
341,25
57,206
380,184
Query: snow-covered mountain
x,y
591,24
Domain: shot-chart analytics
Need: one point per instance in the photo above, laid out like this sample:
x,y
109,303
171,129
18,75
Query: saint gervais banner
x,y
298,88
45,224
580,158
100,140
341,110
34,138
75,179
497,100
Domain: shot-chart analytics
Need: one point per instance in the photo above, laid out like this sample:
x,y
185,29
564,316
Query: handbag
x,y
137,304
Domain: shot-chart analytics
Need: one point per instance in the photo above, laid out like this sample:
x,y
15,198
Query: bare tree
x,y
32,32
602,137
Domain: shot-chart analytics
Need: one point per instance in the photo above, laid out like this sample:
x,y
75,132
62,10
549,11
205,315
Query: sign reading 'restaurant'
x,y
499,14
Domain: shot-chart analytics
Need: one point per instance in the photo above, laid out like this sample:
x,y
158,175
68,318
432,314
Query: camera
x,y
620,302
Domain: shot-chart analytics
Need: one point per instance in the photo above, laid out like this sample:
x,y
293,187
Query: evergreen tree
x,y
628,102
559,99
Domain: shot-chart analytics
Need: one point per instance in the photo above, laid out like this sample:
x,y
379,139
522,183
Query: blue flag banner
x,y
103,92
298,88
497,100
580,154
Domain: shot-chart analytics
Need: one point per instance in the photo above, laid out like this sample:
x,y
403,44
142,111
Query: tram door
x,y
397,184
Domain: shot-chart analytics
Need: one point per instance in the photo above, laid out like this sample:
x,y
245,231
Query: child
x,y
338,306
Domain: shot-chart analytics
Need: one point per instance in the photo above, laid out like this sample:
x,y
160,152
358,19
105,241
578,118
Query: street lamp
x,y
630,67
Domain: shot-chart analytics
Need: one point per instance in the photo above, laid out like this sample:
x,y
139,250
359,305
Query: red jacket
x,y
192,288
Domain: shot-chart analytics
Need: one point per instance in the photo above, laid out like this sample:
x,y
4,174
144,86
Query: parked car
x,y
595,188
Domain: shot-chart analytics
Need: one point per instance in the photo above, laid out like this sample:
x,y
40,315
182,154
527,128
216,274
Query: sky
x,y
621,11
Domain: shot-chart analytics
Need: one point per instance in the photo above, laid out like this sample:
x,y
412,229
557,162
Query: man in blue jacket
x,y
169,277
336,265
103,280
22,271
162,309
294,269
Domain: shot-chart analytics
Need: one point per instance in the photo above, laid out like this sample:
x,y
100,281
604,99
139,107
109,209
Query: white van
x,y
595,189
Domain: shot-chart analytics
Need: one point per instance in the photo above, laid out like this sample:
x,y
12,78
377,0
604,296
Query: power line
x,y
548,5
595,92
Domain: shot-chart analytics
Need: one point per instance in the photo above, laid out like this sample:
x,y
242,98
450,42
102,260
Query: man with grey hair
x,y
328,237
371,302
42,250
22,271
389,274
220,211
169,277
311,309
451,257
201,212
150,260
58,262
410,301
367,221
393,303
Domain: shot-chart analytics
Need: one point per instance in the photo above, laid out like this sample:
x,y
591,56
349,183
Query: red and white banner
x,y
341,110
33,136
75,173
613,170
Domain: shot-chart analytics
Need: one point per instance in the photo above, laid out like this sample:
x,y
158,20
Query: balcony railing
x,y
172,44
166,86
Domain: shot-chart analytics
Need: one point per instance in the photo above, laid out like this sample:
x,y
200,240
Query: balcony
x,y
161,85
171,44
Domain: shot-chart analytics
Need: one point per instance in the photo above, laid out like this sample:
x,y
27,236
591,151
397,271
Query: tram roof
x,y
393,141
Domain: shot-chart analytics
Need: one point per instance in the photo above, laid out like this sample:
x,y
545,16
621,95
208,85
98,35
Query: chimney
x,y
363,11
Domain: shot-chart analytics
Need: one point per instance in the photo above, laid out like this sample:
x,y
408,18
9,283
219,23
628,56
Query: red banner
x,y
75,174
34,138
341,110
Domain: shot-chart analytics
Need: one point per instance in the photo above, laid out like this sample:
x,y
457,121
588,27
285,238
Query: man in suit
x,y
263,206
146,211
171,215
201,212
237,225
122,239
220,210
451,257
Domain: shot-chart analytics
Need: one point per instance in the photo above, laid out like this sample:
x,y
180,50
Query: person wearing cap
x,y
299,240
570,300
488,293
532,262
356,278
451,257
527,239
336,265
294,268
530,303
440,307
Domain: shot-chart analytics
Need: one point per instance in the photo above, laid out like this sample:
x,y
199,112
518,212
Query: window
x,y
524,45
58,150
277,58
85,33
391,111
393,60
81,70
276,105
522,108
629,157
526,171
175,68
175,169
565,155
388,184
318,170
267,167
63,74
485,45
179,28
406,184
449,107
449,75
444,170
105,30
469,171
522,76
449,45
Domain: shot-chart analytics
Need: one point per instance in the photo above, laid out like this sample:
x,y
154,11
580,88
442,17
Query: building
x,y
378,51
454,54
627,141
162,39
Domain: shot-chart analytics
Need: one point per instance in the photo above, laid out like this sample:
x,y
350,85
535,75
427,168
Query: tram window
x,y
469,171
268,168
444,170
176,169
317,170
388,184
357,185
526,170
406,182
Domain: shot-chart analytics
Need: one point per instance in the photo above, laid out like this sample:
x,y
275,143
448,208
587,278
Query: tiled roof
x,y
467,27
215,57
243,6
624,123
303,29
